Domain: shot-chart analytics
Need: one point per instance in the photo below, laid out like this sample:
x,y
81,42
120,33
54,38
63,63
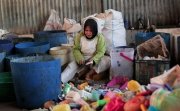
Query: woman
x,y
89,49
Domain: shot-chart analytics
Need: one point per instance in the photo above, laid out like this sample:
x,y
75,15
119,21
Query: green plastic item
x,y
6,87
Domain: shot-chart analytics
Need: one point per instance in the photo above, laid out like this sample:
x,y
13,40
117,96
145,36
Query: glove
x,y
89,63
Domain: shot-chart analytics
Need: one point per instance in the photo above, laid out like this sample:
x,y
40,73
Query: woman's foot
x,y
99,76
89,75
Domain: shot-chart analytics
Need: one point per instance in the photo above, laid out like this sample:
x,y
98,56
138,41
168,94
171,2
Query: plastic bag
x,y
53,23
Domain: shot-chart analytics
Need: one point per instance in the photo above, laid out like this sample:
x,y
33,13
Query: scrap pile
x,y
121,94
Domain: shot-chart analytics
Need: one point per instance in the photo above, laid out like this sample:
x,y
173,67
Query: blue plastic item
x,y
22,39
55,37
36,80
2,56
6,46
7,60
29,48
141,37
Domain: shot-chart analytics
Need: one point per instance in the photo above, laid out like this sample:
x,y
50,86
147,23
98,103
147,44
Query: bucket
x,y
58,52
6,46
55,37
69,47
29,48
36,80
6,87
2,56
62,52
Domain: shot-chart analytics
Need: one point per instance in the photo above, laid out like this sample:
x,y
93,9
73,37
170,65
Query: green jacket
x,y
100,48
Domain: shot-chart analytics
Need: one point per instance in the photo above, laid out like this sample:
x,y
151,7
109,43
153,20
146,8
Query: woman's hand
x,y
89,63
81,62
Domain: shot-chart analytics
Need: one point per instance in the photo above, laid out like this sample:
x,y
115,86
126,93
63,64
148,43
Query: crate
x,y
6,87
146,69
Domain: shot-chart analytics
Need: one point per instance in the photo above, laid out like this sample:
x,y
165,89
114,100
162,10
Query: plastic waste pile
x,y
120,94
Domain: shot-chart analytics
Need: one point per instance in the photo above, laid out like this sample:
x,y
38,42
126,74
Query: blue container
x,y
55,37
22,39
2,56
6,46
29,48
141,37
36,80
7,67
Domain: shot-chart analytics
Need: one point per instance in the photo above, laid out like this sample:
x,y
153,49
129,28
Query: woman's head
x,y
90,28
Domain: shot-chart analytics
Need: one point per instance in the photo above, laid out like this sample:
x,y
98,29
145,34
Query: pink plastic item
x,y
118,80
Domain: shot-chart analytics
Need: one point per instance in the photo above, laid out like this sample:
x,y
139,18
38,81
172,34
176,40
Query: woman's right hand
x,y
81,62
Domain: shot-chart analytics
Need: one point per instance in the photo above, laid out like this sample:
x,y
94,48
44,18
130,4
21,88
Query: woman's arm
x,y
100,49
77,49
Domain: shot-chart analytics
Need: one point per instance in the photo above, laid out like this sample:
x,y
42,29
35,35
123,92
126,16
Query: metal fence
x,y
28,16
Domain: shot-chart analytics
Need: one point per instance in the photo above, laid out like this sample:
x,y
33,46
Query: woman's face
x,y
88,32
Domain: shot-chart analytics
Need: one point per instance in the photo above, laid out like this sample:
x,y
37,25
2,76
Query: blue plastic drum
x,y
55,37
28,48
6,46
2,56
36,80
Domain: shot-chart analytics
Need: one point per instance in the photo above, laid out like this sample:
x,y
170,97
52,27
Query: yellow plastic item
x,y
133,86
82,86
86,108
61,107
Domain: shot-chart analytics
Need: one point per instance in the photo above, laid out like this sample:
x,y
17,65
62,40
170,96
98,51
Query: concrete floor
x,y
10,106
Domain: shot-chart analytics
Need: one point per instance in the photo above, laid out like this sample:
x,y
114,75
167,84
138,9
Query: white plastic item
x,y
122,62
86,95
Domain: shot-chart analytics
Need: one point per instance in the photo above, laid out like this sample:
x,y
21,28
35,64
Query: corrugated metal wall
x,y
159,12
28,16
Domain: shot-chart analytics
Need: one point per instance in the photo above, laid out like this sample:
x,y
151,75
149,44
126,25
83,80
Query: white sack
x,y
114,31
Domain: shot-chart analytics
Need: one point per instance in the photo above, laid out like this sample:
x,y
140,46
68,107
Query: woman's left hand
x,y
89,62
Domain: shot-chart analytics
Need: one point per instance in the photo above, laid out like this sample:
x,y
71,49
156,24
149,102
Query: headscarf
x,y
93,26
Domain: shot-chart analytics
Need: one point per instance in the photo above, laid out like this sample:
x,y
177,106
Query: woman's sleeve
x,y
100,49
76,48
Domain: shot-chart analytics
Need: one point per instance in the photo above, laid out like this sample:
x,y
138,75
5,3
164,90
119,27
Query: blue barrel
x,y
8,58
6,46
22,39
2,56
55,37
36,80
28,48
